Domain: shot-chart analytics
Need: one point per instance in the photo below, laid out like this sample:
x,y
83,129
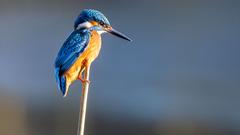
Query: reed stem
x,y
83,103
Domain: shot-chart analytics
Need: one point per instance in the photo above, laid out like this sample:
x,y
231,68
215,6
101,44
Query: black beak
x,y
118,34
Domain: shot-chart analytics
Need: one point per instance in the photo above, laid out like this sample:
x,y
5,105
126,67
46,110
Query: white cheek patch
x,y
84,25
89,25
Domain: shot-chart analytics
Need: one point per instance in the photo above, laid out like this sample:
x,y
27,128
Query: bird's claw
x,y
84,80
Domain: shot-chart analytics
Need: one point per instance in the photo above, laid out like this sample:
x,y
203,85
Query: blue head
x,y
92,16
89,18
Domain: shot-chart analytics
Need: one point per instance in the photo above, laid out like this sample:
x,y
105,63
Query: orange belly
x,y
85,59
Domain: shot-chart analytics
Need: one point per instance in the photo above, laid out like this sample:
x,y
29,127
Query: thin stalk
x,y
83,103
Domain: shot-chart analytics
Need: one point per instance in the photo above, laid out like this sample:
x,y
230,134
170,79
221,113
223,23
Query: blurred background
x,y
180,76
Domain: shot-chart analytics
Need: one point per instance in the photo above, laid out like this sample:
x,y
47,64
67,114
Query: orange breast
x,y
88,56
93,49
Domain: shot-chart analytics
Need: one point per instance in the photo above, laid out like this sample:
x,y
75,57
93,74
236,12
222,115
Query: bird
x,y
81,48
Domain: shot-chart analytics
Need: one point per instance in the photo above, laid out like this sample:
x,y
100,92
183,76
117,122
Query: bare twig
x,y
83,103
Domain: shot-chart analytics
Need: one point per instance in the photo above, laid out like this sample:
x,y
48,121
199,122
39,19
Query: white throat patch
x,y
101,32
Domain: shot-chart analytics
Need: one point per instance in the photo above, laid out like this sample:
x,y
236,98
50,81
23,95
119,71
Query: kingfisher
x,y
81,48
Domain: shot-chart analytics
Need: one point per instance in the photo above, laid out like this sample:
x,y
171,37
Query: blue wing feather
x,y
72,48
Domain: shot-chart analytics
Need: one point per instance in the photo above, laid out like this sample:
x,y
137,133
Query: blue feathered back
x,y
72,48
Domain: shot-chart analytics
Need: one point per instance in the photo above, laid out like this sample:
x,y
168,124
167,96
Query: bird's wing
x,y
75,44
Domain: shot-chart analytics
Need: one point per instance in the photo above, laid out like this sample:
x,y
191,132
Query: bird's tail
x,y
61,82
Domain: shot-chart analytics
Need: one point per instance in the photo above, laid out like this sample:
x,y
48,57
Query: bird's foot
x,y
83,80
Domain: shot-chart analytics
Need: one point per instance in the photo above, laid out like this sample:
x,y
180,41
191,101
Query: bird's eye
x,y
101,23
